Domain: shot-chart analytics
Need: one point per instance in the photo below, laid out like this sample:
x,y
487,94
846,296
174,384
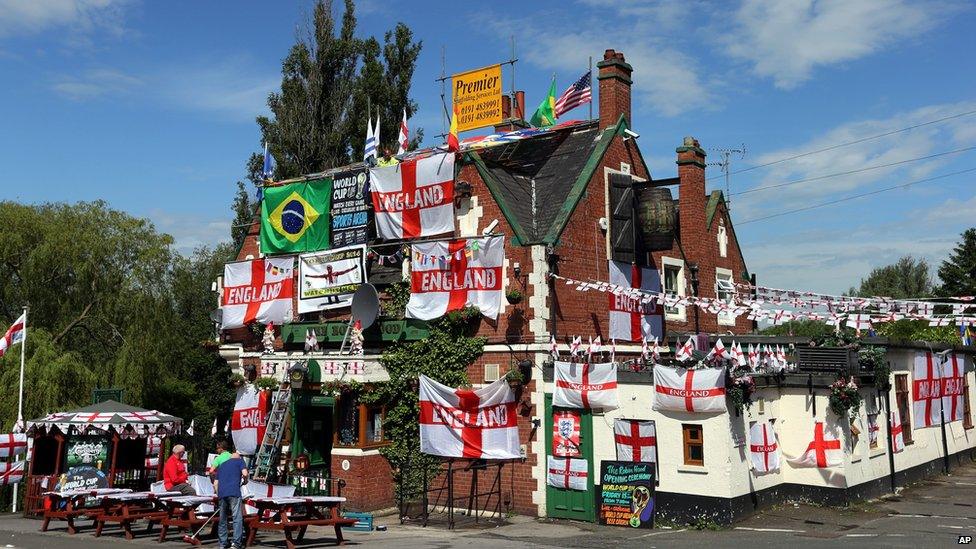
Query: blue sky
x,y
151,105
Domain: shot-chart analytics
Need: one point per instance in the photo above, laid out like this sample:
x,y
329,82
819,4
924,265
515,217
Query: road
x,y
933,513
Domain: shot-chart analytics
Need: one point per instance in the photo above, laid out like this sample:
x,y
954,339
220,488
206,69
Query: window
x,y
725,291
967,411
491,372
359,425
904,406
347,432
374,425
674,285
723,240
694,445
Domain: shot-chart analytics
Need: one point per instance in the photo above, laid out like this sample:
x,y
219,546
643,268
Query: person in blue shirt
x,y
228,478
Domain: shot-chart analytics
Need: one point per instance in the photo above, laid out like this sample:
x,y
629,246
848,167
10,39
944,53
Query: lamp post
x,y
693,267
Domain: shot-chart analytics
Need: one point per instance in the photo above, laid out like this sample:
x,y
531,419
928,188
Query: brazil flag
x,y
295,217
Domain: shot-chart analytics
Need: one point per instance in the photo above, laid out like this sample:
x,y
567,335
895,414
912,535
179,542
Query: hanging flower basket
x,y
513,296
237,380
845,399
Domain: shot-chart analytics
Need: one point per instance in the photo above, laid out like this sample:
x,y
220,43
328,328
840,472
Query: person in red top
x,y
174,473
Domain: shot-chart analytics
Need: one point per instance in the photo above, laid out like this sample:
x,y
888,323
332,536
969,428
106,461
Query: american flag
x,y
574,96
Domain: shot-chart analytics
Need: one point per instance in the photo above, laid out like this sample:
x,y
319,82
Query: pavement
x,y
935,512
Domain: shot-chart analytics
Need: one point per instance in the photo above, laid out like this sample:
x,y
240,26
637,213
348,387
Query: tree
x,y
243,216
958,271
906,278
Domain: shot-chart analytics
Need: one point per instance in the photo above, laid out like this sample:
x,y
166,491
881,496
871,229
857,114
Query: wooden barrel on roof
x,y
656,216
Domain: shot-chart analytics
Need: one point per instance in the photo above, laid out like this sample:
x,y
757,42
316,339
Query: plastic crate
x,y
364,521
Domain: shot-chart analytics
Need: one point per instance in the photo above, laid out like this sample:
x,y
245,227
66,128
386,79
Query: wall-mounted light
x,y
297,374
462,190
517,268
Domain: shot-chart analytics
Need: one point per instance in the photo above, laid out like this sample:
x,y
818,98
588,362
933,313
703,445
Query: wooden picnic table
x,y
181,513
74,504
291,514
129,507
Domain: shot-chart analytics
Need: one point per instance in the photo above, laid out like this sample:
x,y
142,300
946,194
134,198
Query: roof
x,y
128,420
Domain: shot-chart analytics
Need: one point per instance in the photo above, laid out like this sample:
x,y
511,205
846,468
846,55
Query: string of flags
x,y
471,249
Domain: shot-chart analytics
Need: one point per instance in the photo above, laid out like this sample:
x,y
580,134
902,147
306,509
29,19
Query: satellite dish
x,y
365,305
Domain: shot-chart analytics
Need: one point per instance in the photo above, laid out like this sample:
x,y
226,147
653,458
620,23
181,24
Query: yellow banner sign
x,y
477,95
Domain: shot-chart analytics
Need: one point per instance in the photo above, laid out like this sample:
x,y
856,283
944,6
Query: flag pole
x,y
591,87
20,401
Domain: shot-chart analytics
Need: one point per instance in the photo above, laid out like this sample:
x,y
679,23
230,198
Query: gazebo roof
x,y
129,421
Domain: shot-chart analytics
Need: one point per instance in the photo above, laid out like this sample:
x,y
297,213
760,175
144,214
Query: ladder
x,y
275,427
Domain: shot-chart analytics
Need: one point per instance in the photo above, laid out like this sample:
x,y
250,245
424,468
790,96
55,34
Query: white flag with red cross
x,y
636,440
12,473
154,445
13,444
414,198
684,352
249,419
584,385
631,319
926,390
566,433
14,334
953,387
824,451
451,275
763,449
718,352
254,489
695,391
465,423
897,432
260,290
567,473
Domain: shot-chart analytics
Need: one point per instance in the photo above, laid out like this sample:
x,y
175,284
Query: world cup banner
x,y
464,423
566,433
327,280
451,275
260,290
693,391
414,198
630,318
249,419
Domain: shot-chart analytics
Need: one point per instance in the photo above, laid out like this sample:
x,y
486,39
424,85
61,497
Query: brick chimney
x,y
513,113
615,84
691,195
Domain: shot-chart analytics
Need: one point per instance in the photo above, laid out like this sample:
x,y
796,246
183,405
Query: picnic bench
x,y
67,505
296,514
126,508
181,513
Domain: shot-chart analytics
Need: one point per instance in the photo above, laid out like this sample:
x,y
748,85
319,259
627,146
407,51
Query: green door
x,y
572,504
312,429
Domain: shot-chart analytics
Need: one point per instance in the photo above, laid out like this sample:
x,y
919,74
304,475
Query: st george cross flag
x,y
824,451
719,352
403,141
953,386
763,449
260,291
414,198
13,444
15,334
465,423
630,318
566,433
927,391
12,473
255,489
689,390
567,473
586,386
636,440
897,432
249,419
153,446
685,351
451,275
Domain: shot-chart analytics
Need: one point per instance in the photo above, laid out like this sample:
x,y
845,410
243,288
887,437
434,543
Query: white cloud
x,y
77,17
96,83
788,40
189,231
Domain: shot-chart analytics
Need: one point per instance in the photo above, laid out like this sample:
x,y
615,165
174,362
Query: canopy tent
x,y
127,421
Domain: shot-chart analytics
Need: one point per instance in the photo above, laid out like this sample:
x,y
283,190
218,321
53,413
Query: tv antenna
x,y
724,165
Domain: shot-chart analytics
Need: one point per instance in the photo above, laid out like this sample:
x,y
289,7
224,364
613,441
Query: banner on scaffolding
x,y
465,423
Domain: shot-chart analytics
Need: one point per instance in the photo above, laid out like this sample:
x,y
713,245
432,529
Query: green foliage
x,y
917,330
513,295
906,278
395,305
444,356
874,359
800,328
958,271
243,215
845,399
319,116
267,383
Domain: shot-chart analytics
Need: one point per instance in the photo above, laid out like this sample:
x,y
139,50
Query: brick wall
x,y
369,482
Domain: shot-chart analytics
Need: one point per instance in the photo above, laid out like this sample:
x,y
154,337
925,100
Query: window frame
x,y
680,313
687,443
362,420
967,408
723,243
725,319
904,403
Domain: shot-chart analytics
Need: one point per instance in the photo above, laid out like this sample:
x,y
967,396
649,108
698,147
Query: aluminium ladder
x,y
271,444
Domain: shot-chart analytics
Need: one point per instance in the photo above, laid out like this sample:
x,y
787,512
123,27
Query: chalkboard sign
x,y
82,477
88,450
349,208
626,495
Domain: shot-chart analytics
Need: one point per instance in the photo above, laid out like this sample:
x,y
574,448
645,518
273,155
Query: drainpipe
x,y
553,260
891,453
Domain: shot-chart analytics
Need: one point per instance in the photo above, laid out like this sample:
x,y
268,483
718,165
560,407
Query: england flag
x,y
825,450
636,440
586,386
249,419
567,473
631,319
260,290
14,334
763,449
465,423
693,391
414,198
451,275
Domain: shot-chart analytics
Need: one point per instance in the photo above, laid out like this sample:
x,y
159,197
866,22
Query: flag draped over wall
x,y
451,275
585,386
897,432
630,318
953,387
926,391
295,217
824,451
567,473
414,198
635,439
689,390
259,290
464,423
249,419
763,449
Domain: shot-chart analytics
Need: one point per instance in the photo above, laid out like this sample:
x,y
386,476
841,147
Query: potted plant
x,y
237,380
515,377
267,383
514,295
739,387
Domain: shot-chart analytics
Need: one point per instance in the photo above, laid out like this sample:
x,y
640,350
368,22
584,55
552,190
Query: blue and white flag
x,y
268,170
372,139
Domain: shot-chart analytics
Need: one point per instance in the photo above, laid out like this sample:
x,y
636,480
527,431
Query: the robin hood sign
x,y
328,279
477,96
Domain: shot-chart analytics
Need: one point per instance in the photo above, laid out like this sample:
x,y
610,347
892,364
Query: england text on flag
x,y
574,96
